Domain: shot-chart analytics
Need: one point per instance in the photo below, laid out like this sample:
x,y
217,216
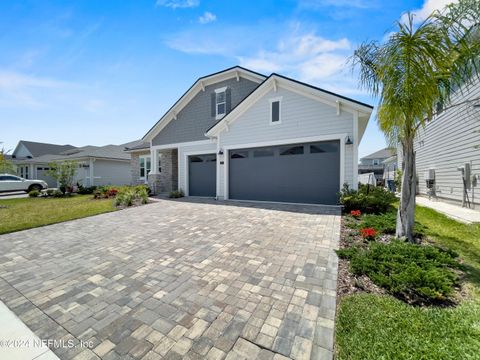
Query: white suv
x,y
10,182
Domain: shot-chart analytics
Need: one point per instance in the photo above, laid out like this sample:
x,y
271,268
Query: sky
x,y
103,72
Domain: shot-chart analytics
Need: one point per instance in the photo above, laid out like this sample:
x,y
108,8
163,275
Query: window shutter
x,y
228,100
214,104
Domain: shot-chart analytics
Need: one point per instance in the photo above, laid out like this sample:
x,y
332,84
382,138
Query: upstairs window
x,y
220,102
275,111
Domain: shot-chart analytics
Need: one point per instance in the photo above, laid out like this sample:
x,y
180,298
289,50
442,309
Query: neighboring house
x,y
373,163
390,167
140,161
448,144
98,165
238,134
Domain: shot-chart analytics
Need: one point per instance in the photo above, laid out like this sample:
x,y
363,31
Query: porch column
x,y
154,161
90,168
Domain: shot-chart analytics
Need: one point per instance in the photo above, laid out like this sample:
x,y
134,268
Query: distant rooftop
x,y
38,149
381,154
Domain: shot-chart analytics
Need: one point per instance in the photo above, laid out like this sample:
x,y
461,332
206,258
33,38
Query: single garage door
x,y
202,175
302,173
42,175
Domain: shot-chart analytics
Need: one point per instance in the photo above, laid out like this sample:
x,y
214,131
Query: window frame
x,y
146,170
222,90
270,102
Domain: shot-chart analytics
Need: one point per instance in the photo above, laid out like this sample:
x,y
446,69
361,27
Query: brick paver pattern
x,y
180,280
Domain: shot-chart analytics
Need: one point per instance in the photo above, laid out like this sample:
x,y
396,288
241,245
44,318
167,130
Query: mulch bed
x,y
349,283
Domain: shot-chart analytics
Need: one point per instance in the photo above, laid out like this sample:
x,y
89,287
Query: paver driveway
x,y
179,279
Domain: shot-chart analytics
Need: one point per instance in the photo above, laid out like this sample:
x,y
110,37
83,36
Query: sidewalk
x,y
465,215
17,341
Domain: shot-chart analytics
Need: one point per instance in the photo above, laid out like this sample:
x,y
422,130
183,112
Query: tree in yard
x,y
64,172
414,70
6,165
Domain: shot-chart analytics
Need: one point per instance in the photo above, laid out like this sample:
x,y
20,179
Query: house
x,y
98,165
373,163
447,150
140,161
237,134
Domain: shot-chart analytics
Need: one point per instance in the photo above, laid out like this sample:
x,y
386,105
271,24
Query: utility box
x,y
430,174
467,175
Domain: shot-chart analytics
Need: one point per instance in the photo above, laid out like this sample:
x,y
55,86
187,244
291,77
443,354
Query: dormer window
x,y
220,102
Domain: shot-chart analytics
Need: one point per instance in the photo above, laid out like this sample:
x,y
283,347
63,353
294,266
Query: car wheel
x,y
35,187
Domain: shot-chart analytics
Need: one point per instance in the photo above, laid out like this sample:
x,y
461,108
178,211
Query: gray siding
x,y
196,117
300,117
448,142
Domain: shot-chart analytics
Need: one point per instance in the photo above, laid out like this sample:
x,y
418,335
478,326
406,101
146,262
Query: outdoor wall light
x,y
348,141
220,152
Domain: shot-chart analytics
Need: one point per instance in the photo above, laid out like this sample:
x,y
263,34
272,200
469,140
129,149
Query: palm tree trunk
x,y
406,210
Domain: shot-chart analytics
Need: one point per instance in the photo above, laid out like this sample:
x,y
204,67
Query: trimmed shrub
x,y
131,195
58,194
176,194
34,193
367,199
86,190
383,223
414,273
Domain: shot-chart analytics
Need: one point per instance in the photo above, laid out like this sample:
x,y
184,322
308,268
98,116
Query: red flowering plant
x,y
111,193
368,233
356,213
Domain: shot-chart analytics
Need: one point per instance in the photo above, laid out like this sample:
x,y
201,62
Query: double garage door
x,y
301,173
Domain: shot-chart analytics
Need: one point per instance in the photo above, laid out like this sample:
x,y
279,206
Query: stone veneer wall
x,y
167,179
135,167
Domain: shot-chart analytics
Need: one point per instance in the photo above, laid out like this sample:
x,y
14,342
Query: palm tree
x,y
412,72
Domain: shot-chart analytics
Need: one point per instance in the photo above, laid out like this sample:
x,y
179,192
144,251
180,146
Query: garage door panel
x,y
202,175
308,173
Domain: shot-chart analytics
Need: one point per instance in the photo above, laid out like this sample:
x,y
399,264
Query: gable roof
x,y
307,89
381,154
198,85
114,152
136,145
38,149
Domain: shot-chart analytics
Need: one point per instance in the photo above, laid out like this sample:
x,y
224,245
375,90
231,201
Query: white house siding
x,y
448,142
183,151
301,117
110,172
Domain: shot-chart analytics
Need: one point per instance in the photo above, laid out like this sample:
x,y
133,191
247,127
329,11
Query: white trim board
x,y
182,144
226,149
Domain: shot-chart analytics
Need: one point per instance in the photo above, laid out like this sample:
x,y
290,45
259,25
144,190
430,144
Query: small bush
x,y
49,192
367,199
368,233
411,272
176,194
58,194
131,195
34,193
86,190
383,223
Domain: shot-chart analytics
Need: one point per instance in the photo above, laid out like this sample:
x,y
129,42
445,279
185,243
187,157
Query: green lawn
x,y
26,213
382,327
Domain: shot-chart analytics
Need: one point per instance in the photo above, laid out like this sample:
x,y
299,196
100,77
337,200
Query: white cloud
x,y
429,6
294,52
23,90
207,17
308,56
175,4
13,80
